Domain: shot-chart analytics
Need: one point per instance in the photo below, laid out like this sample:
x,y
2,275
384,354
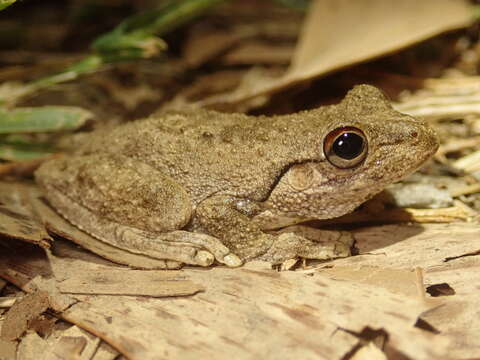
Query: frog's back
x,y
210,152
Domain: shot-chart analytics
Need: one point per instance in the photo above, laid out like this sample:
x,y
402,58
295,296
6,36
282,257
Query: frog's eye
x,y
345,147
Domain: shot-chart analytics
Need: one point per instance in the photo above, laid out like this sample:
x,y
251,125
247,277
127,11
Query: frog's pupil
x,y
348,146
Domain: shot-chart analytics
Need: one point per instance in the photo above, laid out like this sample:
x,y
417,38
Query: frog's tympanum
x,y
199,186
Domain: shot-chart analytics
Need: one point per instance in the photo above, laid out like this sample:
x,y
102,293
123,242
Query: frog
x,y
199,187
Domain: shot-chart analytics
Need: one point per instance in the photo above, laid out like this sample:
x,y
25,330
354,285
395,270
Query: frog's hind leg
x,y
129,205
182,246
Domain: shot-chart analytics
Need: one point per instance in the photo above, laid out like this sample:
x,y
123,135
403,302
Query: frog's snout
x,y
425,137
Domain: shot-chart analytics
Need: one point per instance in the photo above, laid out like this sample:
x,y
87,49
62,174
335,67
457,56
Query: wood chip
x,y
7,302
22,313
469,163
466,190
455,213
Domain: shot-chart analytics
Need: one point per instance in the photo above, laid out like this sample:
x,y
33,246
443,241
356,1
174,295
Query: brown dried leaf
x,y
22,313
16,217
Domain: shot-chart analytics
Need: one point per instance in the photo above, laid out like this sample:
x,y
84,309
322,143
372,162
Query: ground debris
x,y
22,314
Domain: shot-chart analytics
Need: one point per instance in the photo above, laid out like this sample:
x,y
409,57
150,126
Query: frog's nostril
x,y
414,134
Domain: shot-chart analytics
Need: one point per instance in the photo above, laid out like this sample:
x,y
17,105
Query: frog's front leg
x,y
229,219
309,243
234,222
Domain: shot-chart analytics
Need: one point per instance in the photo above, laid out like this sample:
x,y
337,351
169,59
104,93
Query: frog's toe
x,y
203,258
210,245
231,260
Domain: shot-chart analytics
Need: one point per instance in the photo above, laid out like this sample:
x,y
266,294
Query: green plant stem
x,y
135,38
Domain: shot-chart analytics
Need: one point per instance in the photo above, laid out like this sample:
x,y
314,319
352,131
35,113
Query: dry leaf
x,y
16,217
407,247
31,346
233,315
369,352
74,343
395,280
83,277
8,349
340,33
22,313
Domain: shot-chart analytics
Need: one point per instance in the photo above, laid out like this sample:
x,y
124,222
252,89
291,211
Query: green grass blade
x,y
143,28
42,119
135,38
6,3
22,153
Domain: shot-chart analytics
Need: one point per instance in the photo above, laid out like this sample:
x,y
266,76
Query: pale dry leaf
x,y
340,33
369,352
450,255
233,316
80,272
302,311
459,317
7,349
82,277
409,246
106,352
31,346
7,302
74,343
398,281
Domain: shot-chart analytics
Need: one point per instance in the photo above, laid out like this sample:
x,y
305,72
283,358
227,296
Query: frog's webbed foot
x,y
309,243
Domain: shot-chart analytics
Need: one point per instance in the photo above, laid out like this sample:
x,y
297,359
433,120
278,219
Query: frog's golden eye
x,y
345,147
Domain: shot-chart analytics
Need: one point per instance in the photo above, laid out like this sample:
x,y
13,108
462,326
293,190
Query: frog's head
x,y
365,145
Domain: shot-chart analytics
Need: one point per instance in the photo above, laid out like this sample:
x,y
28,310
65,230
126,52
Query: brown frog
x,y
198,186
